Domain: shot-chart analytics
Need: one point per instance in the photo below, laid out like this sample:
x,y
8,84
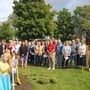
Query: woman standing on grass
x,y
38,53
66,52
82,54
4,73
23,50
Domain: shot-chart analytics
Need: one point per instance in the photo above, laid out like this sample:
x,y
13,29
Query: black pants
x,y
65,63
82,60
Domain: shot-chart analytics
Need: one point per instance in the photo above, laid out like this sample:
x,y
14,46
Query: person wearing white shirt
x,y
17,46
66,51
82,54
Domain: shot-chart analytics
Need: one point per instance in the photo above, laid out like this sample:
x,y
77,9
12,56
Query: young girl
x,y
14,65
4,73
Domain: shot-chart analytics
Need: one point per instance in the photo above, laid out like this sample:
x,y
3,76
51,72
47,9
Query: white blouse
x,y
82,50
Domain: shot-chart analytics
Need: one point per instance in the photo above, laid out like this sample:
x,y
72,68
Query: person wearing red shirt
x,y
51,55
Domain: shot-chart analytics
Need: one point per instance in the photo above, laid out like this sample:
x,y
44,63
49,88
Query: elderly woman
x,y
82,54
66,51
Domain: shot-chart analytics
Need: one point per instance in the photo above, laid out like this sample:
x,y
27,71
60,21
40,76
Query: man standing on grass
x,y
51,55
59,47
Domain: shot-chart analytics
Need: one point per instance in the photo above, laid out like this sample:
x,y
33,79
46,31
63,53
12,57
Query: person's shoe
x,y
14,84
49,68
89,70
82,69
53,68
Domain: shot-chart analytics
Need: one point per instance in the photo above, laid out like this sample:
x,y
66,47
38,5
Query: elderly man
x,y
51,55
59,47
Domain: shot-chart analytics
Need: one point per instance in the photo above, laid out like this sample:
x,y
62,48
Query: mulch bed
x,y
25,84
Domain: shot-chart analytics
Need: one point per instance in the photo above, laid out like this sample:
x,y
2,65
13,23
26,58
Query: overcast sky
x,y
6,6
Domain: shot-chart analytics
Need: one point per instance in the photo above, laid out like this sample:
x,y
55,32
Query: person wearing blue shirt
x,y
59,53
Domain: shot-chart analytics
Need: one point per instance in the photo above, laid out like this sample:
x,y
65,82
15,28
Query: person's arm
x,y
79,51
63,51
5,70
69,51
20,51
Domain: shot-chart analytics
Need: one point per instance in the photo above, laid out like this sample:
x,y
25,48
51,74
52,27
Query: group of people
x,y
55,53
52,53
8,67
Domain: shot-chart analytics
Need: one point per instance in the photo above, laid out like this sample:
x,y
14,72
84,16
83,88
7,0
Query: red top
x,y
51,47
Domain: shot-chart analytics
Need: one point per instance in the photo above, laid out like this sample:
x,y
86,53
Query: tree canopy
x,y
6,31
82,20
65,29
33,19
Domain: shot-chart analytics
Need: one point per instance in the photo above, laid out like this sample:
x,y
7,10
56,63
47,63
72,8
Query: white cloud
x,y
5,9
72,4
6,6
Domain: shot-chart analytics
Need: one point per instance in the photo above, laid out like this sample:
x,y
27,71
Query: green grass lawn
x,y
67,79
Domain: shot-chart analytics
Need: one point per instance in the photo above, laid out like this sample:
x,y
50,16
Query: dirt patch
x,y
24,86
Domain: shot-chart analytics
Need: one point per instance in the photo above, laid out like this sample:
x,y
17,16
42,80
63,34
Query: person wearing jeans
x,y
59,47
73,53
38,53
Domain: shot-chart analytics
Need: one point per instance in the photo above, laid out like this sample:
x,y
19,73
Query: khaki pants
x,y
52,61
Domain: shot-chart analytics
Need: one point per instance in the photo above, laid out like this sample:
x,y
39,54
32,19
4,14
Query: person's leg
x,y
71,59
40,60
50,62
75,61
84,61
22,61
25,63
78,57
58,60
47,61
43,61
35,59
63,63
67,63
32,57
53,60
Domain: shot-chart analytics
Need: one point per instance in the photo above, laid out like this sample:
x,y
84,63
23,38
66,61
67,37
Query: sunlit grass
x,y
67,79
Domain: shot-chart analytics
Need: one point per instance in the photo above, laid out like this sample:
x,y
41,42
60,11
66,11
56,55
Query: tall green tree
x,y
82,20
34,19
6,31
65,26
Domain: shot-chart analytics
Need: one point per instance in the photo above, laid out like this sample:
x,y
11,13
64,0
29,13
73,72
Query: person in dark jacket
x,y
23,53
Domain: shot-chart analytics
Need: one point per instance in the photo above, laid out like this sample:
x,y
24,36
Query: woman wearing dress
x,y
4,73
